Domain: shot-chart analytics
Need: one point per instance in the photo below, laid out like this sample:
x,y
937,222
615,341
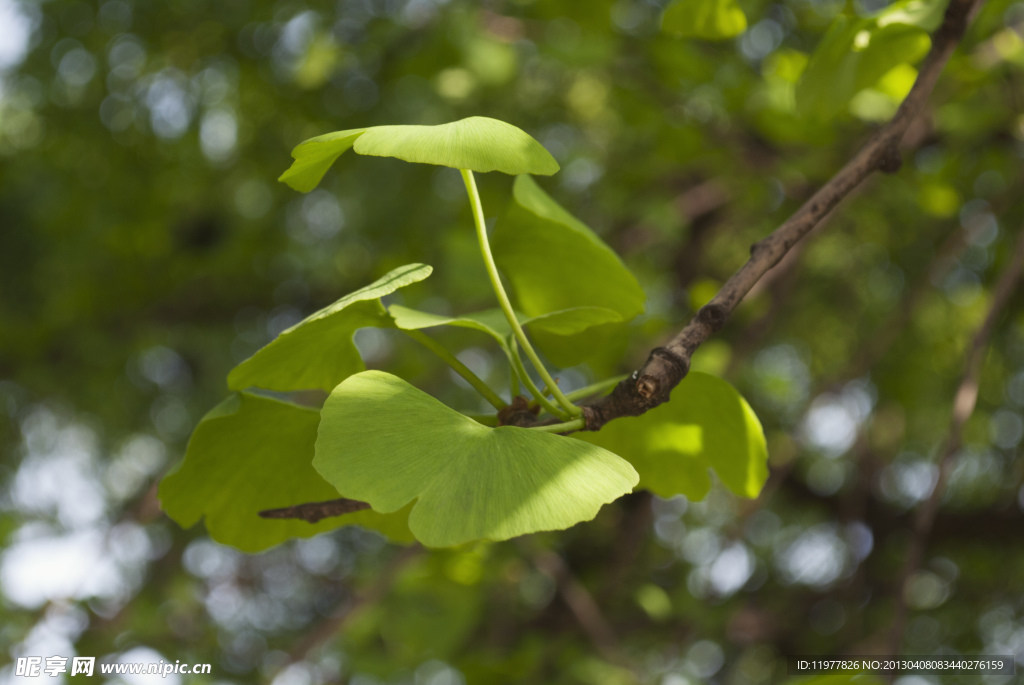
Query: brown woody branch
x,y
666,366
315,511
963,406
880,341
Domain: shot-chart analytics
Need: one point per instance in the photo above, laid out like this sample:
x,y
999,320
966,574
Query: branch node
x,y
647,387
891,160
656,381
593,418
518,413
713,316
312,512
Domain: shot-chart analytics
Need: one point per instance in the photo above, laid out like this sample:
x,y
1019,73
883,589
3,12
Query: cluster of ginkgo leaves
x,y
443,477
427,471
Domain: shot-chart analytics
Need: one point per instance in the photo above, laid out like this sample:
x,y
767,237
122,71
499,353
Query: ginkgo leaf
x,y
570,336
384,442
476,143
924,14
856,52
555,332
251,453
709,19
705,425
554,262
572,321
492,321
318,352
837,70
315,156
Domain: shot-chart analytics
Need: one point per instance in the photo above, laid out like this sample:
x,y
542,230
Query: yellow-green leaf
x,y
251,453
476,143
315,156
555,263
318,352
384,442
856,52
705,425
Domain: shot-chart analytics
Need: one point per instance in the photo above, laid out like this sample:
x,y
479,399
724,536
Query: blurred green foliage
x,y
145,249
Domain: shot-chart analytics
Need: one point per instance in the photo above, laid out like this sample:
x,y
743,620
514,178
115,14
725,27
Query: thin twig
x,y
666,366
582,605
879,342
963,406
458,367
315,511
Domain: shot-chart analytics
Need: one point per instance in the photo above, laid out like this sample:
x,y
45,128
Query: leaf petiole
x,y
513,381
574,425
503,301
592,389
539,398
458,367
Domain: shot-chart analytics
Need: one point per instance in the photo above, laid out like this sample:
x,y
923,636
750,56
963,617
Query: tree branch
x,y
315,511
963,406
666,366
582,605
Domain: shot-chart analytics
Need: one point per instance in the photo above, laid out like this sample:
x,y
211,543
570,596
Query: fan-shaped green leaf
x,y
251,453
572,321
476,143
856,52
492,321
318,352
557,332
554,262
384,442
315,156
706,424
570,336
924,14
710,19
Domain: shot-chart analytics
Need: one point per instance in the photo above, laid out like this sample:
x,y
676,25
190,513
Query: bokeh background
x,y
145,248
